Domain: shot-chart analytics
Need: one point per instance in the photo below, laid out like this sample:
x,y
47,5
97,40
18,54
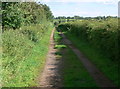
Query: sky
x,y
85,8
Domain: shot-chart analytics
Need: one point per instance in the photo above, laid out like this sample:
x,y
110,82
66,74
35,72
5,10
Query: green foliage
x,y
60,46
102,34
73,72
24,53
48,13
108,67
11,15
16,14
24,49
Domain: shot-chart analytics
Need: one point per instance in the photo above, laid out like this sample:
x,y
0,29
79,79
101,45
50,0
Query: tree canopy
x,y
16,14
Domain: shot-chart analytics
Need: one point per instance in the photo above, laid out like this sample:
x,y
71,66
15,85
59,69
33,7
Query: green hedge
x,y
102,34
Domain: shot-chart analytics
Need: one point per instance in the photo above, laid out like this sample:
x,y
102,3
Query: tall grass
x,y
24,53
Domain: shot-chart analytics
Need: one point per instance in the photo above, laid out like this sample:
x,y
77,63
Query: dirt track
x,y
51,76
98,76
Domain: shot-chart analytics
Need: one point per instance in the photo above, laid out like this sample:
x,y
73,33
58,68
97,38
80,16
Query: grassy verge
x,y
109,68
24,54
74,73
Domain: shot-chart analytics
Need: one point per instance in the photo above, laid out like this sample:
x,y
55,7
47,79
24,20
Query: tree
x,y
16,14
48,13
11,15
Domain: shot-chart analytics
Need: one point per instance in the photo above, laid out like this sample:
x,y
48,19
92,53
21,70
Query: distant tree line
x,y
79,17
63,19
17,14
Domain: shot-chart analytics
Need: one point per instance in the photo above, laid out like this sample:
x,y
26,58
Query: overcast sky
x,y
82,7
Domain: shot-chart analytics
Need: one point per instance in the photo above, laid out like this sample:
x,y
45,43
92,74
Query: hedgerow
x,y
102,34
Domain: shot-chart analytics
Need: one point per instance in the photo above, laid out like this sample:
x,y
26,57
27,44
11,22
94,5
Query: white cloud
x,y
84,11
103,1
